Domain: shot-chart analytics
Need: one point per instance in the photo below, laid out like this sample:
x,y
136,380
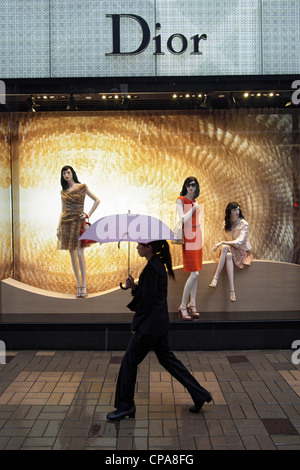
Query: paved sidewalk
x,y
59,400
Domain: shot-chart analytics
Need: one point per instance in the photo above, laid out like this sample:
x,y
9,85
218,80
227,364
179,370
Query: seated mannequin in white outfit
x,y
236,249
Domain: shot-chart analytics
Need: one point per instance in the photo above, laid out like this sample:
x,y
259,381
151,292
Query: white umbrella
x,y
128,227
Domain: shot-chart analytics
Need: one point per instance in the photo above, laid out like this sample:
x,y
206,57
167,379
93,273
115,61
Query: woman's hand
x,y
129,283
83,216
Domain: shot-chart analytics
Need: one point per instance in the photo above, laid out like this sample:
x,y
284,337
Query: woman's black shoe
x,y
119,414
197,408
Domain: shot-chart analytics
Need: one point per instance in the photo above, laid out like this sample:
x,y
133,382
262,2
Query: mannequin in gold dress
x,y
70,222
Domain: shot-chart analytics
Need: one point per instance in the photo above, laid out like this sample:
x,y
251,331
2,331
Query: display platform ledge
x,y
266,286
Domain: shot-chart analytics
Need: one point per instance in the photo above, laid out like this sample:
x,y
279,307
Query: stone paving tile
x,y
58,400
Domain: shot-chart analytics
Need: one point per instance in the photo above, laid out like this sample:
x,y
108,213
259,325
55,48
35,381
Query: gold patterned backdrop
x,y
138,161
5,199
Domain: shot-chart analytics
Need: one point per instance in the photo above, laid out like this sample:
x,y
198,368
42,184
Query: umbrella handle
x,y
129,278
123,288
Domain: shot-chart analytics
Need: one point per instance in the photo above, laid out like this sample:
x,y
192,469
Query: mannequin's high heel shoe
x,y
184,316
191,309
232,296
214,282
78,295
84,292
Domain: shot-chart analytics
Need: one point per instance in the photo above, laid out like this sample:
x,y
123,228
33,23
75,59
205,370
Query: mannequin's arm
x,y
224,242
185,217
62,210
242,238
94,206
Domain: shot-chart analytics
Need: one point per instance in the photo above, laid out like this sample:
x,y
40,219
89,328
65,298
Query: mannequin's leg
x,y
82,264
192,304
187,291
194,289
75,265
188,288
230,273
224,251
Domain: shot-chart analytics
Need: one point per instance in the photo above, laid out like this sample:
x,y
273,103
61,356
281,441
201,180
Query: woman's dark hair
x,y
63,182
188,181
162,250
230,206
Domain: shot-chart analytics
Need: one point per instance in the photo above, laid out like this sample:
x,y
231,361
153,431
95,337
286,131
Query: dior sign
x,y
176,44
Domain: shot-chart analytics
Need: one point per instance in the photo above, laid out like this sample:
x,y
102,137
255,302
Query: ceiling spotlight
x,y
187,95
246,95
200,95
88,98
174,96
258,94
271,94
116,97
103,97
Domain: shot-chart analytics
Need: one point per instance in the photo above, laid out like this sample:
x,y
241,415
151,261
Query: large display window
x,y
138,161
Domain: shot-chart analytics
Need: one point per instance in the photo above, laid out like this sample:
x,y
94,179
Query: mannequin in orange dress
x,y
71,219
188,212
